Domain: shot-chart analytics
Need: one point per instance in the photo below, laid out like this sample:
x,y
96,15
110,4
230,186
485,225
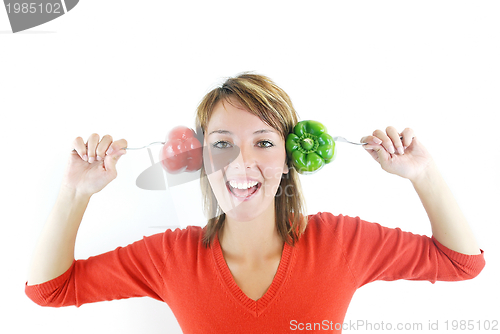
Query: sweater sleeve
x,y
374,252
131,271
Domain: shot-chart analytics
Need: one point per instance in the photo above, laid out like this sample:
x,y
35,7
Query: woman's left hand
x,y
398,153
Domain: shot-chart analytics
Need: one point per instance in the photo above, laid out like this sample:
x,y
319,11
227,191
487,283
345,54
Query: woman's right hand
x,y
92,165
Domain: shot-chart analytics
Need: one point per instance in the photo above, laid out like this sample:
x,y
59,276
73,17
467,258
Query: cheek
x,y
274,167
215,180
273,173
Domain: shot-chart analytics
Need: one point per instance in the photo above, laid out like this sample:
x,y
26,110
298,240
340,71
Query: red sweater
x,y
315,281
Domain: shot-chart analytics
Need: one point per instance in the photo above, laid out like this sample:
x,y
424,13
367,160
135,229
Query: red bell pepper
x,y
182,151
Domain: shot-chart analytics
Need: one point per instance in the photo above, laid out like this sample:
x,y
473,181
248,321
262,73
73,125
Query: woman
x,y
260,265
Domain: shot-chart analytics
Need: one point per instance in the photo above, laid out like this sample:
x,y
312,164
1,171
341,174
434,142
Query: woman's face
x,y
245,153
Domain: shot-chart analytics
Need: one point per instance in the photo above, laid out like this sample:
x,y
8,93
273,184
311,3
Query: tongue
x,y
244,192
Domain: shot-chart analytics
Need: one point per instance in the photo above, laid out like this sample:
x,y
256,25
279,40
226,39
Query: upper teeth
x,y
244,185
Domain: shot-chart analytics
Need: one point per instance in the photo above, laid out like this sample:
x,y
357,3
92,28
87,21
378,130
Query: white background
x,y
136,69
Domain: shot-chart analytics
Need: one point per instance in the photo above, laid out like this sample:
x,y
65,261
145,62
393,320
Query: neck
x,y
251,241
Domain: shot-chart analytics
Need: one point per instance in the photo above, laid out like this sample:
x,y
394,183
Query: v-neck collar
x,y
256,307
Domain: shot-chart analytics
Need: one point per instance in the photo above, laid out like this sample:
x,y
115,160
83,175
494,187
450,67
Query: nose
x,y
245,159
217,159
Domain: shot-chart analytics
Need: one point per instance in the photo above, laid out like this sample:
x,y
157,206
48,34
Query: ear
x,y
286,169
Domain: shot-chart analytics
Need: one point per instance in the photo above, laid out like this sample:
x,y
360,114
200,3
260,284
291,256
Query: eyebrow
x,y
226,132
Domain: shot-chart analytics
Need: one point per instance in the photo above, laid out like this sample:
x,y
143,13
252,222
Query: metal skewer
x,y
342,139
140,148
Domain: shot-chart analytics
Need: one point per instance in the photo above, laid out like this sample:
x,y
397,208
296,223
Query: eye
x,y
216,144
268,144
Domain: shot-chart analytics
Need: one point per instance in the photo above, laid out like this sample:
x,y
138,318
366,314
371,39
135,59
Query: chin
x,y
244,212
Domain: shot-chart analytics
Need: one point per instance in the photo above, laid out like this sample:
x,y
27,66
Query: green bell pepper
x,y
310,147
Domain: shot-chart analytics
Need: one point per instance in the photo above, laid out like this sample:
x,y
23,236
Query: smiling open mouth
x,y
243,193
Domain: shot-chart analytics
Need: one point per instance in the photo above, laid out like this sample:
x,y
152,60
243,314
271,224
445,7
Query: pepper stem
x,y
308,143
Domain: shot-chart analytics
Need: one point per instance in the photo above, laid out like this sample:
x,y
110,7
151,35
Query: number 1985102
x,y
472,325
33,8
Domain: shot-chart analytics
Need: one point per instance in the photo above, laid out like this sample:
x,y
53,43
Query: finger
x,y
386,141
80,148
370,140
103,146
92,146
396,141
379,153
117,147
408,136
371,150
115,152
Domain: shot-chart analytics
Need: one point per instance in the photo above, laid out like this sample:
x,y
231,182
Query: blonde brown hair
x,y
263,98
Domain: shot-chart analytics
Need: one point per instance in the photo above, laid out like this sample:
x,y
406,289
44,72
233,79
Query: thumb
x,y
382,154
110,160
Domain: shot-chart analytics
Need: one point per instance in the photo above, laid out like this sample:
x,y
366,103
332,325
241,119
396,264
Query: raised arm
x,y
449,225
402,154
84,176
55,250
